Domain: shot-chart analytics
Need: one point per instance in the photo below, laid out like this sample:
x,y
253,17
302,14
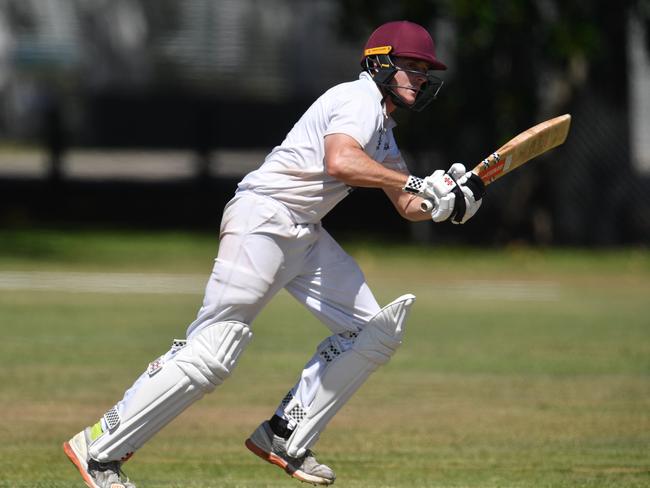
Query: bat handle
x,y
427,205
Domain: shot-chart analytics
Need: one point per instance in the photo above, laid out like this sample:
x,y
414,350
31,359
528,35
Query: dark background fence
x,y
208,76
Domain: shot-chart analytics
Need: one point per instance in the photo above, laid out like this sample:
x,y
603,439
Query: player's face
x,y
410,76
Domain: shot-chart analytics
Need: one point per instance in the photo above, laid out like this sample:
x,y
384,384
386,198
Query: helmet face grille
x,y
381,67
428,93
383,70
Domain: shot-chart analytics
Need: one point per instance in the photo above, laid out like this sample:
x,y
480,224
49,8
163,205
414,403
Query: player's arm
x,y
346,161
407,205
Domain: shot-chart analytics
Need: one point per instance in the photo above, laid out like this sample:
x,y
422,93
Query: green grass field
x,y
520,367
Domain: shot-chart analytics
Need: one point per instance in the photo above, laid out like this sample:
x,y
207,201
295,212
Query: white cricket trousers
x,y
263,250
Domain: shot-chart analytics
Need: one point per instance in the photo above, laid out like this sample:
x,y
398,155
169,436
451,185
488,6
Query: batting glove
x,y
444,209
437,185
469,197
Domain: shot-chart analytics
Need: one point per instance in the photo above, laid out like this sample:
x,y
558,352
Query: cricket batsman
x,y
271,238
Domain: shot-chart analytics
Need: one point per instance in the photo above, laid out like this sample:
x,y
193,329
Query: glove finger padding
x,y
457,170
444,209
437,185
460,206
470,205
469,194
440,183
474,183
456,194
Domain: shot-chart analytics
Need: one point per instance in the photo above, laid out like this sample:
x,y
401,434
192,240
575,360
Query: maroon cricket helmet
x,y
406,39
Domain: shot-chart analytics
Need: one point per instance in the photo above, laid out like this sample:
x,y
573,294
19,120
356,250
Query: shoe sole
x,y
278,461
73,455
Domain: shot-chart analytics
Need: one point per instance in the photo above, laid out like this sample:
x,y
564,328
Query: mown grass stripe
x,y
80,282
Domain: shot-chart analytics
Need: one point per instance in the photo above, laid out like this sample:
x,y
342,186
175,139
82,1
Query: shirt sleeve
x,y
354,114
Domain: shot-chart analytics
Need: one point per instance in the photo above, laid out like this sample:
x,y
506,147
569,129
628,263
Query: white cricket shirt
x,y
294,172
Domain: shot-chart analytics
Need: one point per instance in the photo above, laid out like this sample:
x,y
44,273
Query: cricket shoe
x,y
272,448
94,473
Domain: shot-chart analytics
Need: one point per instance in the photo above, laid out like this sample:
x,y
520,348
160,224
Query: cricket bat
x,y
519,150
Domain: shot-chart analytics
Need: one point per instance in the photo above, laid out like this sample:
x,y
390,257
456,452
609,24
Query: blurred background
x,y
146,113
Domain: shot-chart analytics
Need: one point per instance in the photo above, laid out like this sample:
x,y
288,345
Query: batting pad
x,y
373,347
171,384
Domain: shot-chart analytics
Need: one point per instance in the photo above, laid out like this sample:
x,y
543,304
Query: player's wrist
x,y
413,185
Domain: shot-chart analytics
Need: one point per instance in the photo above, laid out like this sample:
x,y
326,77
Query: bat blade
x,y
519,150
524,147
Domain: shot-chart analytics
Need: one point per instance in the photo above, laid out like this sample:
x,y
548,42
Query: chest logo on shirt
x,y
380,139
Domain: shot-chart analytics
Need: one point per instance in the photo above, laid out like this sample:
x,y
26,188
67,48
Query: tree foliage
x,y
512,61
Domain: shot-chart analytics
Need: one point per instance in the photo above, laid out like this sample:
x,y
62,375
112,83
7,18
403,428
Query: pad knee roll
x,y
171,384
211,354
